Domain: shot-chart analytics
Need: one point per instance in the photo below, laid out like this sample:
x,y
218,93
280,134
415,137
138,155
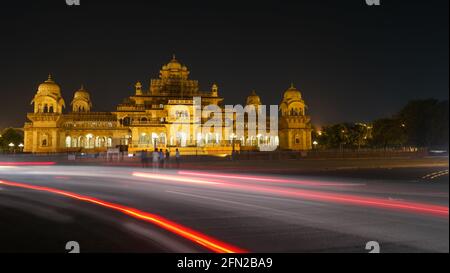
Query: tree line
x,y
420,123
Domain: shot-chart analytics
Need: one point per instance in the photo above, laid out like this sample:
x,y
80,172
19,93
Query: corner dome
x,y
292,93
81,94
49,87
253,99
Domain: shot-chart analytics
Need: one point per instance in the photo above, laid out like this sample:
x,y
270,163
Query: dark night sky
x,y
352,62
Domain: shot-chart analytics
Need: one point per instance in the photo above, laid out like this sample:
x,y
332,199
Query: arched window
x,y
45,108
100,142
155,140
162,138
74,142
143,138
127,121
82,142
89,141
68,141
181,139
44,140
50,110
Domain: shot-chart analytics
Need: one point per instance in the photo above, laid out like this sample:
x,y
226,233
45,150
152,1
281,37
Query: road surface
x,y
130,209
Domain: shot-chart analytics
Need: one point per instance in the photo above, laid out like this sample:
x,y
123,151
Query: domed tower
x,y
292,103
294,124
174,81
214,90
254,99
48,98
81,101
174,70
138,89
42,133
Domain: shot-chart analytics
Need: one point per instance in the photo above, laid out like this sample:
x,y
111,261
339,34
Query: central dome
x,y
49,87
174,70
174,65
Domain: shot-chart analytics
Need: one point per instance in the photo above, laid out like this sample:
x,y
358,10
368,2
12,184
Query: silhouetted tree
x,y
426,122
344,135
388,132
8,136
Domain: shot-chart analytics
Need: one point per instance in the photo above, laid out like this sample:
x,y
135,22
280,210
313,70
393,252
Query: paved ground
x,y
243,205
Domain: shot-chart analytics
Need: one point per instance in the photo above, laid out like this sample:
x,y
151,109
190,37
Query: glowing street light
x,y
11,146
21,145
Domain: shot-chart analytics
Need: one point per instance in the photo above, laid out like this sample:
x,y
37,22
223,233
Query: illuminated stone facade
x,y
149,119
294,125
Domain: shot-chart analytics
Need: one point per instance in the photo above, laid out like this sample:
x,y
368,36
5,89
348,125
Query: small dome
x,y
49,87
253,99
81,94
292,93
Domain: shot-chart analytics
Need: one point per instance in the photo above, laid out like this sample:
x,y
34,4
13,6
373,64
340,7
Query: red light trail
x,y
185,232
435,210
415,207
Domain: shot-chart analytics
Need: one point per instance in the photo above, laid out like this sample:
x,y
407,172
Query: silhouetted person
x,y
144,158
161,158
177,157
167,159
155,159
